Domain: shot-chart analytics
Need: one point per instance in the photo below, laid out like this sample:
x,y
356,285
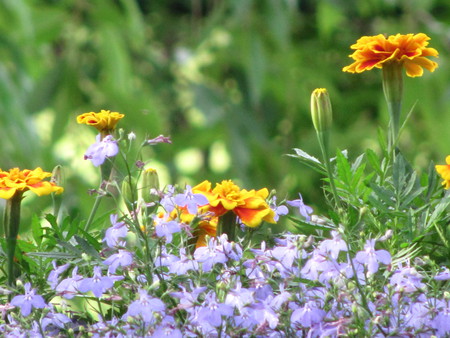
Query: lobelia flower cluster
x,y
292,288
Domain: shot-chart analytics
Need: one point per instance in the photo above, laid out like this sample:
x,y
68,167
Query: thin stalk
x,y
323,143
11,227
93,212
227,225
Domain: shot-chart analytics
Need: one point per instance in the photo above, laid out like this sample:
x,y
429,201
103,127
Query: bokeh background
x,y
228,80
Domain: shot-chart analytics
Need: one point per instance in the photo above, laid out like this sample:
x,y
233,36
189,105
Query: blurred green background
x,y
229,81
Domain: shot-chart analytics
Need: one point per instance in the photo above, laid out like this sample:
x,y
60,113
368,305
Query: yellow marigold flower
x,y
410,50
250,206
103,121
444,171
18,181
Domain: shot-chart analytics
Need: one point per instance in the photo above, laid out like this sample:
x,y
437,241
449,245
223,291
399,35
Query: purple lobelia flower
x,y
167,201
444,275
115,233
165,228
239,297
441,322
98,284
101,150
28,300
68,287
145,307
121,258
210,255
304,210
211,311
407,279
184,264
55,319
371,258
167,329
333,246
308,315
280,210
190,200
54,274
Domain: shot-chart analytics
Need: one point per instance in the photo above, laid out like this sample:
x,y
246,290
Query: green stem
x,y
93,212
227,225
323,138
12,224
393,92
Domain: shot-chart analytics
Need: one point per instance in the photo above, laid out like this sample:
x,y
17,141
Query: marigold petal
x,y
253,217
45,188
7,193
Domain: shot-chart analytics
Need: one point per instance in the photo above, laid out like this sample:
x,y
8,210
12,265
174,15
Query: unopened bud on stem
x,y
321,112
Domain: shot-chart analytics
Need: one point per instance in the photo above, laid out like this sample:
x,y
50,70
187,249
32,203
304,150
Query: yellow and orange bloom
x,y
16,182
250,206
444,171
410,51
105,121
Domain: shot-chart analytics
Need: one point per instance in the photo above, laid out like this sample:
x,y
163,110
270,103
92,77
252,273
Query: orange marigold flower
x,y
18,181
444,171
250,206
105,120
410,50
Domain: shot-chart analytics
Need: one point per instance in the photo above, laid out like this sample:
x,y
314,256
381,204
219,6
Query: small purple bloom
x,y
98,284
308,315
370,257
167,329
159,139
121,258
444,275
115,233
28,301
190,200
54,274
145,307
212,311
165,228
184,264
68,287
167,201
280,210
442,321
407,279
210,255
102,149
334,246
304,210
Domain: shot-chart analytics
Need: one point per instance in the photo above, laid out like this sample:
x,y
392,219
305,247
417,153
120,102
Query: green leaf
x,y
87,248
36,229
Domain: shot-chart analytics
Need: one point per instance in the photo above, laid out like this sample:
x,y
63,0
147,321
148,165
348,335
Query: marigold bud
x,y
149,185
128,185
321,112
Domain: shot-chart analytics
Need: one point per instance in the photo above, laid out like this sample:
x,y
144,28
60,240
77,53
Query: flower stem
x,y
227,225
93,212
393,92
11,225
323,138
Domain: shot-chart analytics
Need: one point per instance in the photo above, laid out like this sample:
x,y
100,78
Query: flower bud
x,y
149,185
128,185
321,111
57,176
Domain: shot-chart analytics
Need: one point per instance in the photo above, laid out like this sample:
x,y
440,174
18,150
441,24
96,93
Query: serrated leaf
x,y
305,155
36,229
54,255
87,248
